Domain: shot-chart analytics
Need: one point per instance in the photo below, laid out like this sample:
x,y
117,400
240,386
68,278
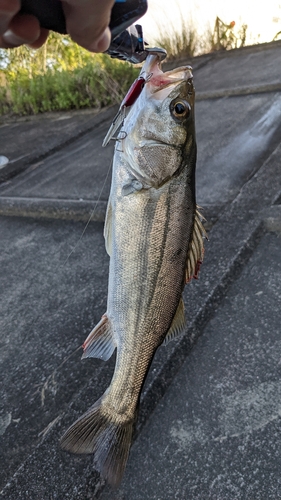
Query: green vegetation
x,y
224,38
186,42
63,76
60,76
183,42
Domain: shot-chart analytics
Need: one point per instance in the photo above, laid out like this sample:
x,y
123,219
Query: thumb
x,y
87,22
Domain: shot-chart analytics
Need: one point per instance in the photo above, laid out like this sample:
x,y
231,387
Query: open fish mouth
x,y
157,80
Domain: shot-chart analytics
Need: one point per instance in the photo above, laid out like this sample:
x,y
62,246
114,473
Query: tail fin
x,y
109,441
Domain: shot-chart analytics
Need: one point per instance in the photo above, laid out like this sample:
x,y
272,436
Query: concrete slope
x,y
214,409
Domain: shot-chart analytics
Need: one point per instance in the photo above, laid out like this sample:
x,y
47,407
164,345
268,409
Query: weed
x,y
62,76
180,43
100,82
184,42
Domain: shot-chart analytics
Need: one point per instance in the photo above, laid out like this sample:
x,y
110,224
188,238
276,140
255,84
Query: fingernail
x,y
11,39
102,43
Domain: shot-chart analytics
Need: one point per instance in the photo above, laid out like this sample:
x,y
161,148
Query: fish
x,y
154,236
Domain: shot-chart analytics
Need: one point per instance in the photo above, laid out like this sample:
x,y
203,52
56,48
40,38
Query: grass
x,y
100,82
184,42
63,76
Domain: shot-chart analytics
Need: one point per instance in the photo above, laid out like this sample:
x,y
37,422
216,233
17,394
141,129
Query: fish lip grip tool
x,y
51,15
127,41
130,46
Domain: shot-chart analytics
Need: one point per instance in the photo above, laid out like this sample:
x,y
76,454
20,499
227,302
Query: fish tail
x,y
109,441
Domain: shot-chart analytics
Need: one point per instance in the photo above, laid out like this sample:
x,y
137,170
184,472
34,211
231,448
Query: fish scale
x,y
154,237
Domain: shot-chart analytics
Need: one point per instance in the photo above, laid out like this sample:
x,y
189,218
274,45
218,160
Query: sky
x,y
263,18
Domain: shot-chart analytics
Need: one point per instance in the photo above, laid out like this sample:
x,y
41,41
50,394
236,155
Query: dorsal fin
x,y
178,324
196,248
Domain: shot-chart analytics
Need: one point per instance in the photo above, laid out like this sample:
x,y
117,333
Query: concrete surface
x,y
37,136
246,129
209,423
217,430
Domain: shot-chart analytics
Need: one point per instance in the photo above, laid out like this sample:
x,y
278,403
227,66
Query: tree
x,y
58,53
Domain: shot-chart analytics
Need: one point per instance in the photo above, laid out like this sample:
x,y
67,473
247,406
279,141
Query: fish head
x,y
168,103
161,122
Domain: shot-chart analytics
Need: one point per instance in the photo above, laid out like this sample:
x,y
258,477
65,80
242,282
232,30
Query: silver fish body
x,y
154,238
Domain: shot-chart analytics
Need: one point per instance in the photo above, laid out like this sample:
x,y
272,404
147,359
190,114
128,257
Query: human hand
x,y
18,29
86,21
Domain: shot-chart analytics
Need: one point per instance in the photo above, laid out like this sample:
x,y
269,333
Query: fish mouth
x,y
157,80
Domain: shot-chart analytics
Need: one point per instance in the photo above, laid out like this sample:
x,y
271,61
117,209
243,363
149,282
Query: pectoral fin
x,y
100,342
178,324
131,187
107,232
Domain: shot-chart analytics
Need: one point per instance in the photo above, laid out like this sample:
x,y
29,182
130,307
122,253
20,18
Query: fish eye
x,y
180,109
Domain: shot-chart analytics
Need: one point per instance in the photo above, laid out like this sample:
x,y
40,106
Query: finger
x,y
23,29
8,9
87,22
41,40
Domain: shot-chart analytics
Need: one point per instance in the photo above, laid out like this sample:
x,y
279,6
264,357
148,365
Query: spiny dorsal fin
x,y
178,324
100,342
196,248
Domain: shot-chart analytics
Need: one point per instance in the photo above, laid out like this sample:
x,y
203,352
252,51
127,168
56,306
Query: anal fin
x,y
178,324
100,342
